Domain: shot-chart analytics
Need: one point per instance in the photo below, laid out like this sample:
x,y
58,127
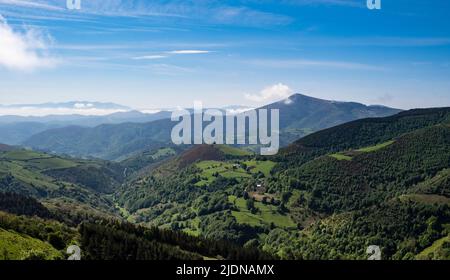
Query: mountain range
x,y
299,116
35,118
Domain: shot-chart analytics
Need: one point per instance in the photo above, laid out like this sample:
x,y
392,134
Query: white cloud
x,y
28,111
83,105
238,110
150,111
22,51
149,57
271,93
189,52
170,53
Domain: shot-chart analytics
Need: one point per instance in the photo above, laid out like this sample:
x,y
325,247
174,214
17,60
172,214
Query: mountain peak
x,y
299,97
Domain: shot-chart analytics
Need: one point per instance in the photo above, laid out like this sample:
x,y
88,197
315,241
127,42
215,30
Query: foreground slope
x,y
28,235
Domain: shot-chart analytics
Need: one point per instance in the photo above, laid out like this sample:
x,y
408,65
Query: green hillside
x,y
27,237
438,251
361,134
50,177
382,181
14,246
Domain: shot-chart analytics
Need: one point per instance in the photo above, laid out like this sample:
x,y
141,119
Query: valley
x,y
328,195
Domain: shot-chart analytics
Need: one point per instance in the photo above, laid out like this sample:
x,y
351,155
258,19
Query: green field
x,y
14,246
232,151
163,152
224,169
260,166
376,147
27,175
341,157
426,198
266,215
231,170
23,155
36,160
348,154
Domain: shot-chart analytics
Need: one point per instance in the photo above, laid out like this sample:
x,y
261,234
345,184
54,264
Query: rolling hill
x,y
111,142
52,179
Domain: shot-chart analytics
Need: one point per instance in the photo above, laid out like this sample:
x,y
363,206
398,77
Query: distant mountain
x,y
14,118
5,148
15,133
299,116
81,120
108,141
16,129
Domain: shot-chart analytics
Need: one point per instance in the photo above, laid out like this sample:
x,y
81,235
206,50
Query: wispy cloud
x,y
189,52
382,41
83,109
23,51
170,53
149,57
168,69
300,63
213,11
32,4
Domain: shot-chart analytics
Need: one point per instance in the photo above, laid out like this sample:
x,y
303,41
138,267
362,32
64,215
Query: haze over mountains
x,y
62,108
19,122
299,116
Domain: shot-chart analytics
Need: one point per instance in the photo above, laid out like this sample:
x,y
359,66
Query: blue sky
x,y
151,54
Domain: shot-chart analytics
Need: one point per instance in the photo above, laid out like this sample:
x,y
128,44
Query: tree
x,y
246,195
251,205
285,197
56,241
